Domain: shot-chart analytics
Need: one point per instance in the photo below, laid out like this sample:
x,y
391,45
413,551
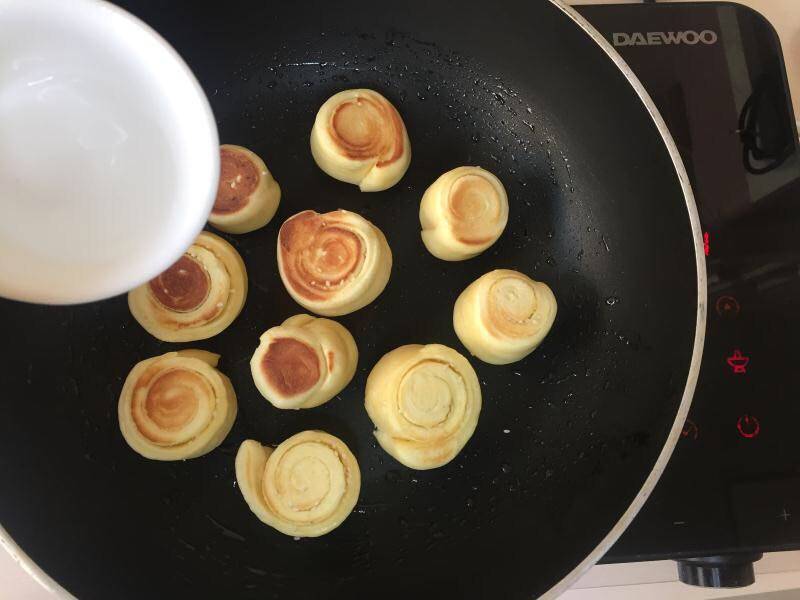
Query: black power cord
x,y
764,139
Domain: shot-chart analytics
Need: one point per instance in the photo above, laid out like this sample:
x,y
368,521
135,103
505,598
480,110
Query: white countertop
x,y
658,580
654,580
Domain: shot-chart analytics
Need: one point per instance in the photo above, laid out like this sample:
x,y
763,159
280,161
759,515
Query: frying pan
x,y
570,441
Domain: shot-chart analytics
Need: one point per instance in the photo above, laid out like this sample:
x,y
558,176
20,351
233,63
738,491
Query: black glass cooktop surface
x,y
716,73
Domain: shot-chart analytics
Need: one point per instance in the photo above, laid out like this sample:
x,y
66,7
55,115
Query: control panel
x,y
733,484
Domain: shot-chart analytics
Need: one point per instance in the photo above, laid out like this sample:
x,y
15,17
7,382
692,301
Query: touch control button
x,y
748,426
727,307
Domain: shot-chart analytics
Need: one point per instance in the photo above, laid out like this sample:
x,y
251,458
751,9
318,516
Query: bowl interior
x,y
108,152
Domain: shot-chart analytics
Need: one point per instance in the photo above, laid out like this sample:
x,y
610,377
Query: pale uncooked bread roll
x,y
463,213
359,137
304,362
503,316
197,297
176,406
247,195
305,487
333,263
424,402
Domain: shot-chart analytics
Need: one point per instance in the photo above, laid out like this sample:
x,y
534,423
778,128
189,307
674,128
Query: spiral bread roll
x,y
333,263
176,406
304,362
424,402
463,213
359,137
305,487
503,316
247,195
197,297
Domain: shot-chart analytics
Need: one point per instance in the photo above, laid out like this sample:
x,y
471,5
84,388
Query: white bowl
x,y
109,155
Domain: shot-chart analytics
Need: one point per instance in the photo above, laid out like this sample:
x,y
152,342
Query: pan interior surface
x,y
566,437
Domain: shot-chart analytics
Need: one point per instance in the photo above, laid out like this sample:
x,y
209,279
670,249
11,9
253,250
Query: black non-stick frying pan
x,y
570,440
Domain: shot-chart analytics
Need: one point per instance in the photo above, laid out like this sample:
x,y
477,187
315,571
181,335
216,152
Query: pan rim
x,y
700,325
31,568
51,586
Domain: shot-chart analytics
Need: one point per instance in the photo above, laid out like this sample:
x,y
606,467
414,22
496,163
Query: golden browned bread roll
x,y
424,402
304,362
305,487
463,213
176,406
197,297
247,196
503,316
333,263
359,137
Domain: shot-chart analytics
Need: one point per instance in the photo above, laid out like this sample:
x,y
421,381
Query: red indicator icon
x,y
706,243
727,307
690,430
748,426
738,362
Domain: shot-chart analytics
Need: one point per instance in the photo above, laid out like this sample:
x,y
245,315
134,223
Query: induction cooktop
x,y
732,489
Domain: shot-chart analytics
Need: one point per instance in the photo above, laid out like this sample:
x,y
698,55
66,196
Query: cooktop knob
x,y
724,571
